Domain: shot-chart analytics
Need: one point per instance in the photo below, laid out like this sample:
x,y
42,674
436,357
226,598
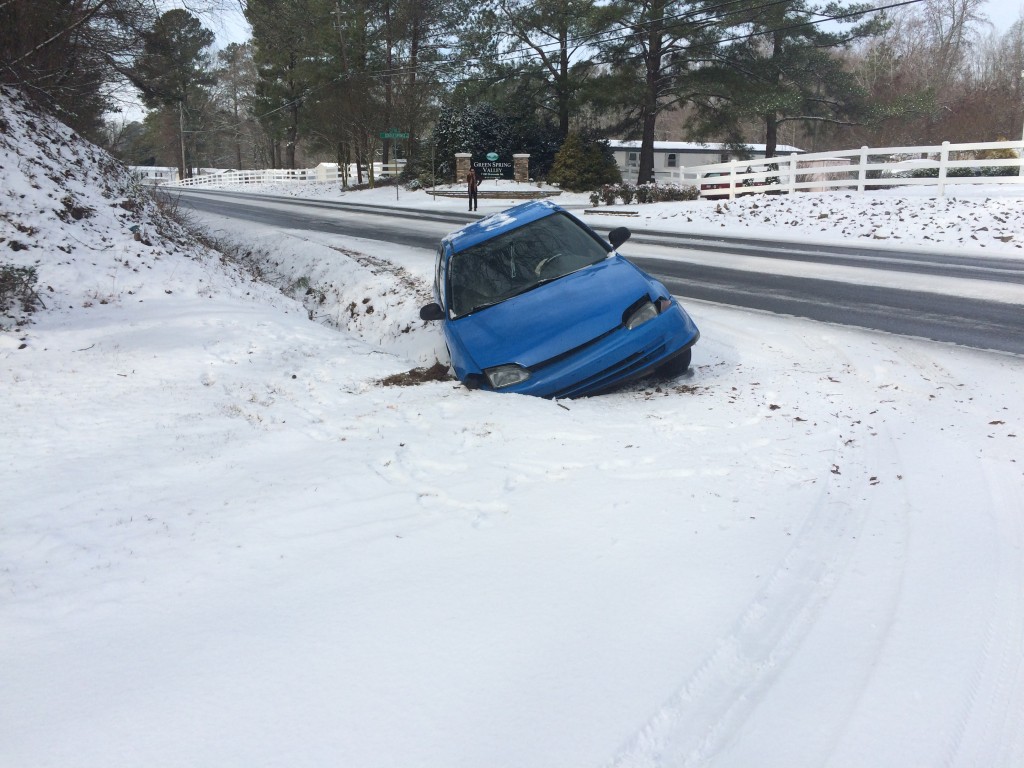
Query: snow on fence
x,y
990,162
217,178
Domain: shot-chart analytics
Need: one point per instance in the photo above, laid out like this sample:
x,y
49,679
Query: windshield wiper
x,y
525,289
485,305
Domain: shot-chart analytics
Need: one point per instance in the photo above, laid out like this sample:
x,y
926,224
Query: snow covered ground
x,y
223,542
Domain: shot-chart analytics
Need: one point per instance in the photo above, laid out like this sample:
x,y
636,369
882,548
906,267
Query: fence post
x,y
792,173
943,159
862,172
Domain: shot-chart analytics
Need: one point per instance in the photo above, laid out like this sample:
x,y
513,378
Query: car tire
x,y
678,365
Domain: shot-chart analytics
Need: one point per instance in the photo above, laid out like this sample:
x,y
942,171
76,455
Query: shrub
x,y
954,173
644,193
18,295
583,164
671,193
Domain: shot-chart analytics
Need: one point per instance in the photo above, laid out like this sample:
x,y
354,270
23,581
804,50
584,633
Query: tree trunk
x,y
413,149
771,135
771,119
292,135
563,81
389,115
652,83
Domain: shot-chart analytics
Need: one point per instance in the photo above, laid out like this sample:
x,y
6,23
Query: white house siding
x,y
671,158
155,174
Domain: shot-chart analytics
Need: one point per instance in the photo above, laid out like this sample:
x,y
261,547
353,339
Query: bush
x,y
583,164
18,295
644,193
671,193
954,173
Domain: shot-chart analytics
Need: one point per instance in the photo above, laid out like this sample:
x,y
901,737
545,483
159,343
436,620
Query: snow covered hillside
x,y
229,537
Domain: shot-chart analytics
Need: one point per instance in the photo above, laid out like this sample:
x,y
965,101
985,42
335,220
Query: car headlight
x,y
642,314
506,375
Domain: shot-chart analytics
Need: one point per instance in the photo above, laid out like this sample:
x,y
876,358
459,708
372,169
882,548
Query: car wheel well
x,y
678,365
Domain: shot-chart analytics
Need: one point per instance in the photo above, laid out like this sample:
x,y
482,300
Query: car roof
x,y
497,223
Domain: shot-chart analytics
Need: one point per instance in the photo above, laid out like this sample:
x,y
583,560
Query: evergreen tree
x,y
171,73
787,69
236,88
289,65
477,129
657,51
547,46
481,128
584,164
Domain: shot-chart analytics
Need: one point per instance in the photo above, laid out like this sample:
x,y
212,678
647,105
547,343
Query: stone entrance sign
x,y
492,167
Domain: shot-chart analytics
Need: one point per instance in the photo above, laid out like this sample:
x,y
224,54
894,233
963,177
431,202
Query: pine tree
x,y
582,165
171,73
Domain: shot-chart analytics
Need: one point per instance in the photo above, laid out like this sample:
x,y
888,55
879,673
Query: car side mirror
x,y
432,311
618,236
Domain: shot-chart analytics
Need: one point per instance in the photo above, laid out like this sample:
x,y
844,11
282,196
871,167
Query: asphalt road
x,y
951,315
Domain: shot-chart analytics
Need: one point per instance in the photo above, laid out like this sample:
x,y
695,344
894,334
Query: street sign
x,y
393,134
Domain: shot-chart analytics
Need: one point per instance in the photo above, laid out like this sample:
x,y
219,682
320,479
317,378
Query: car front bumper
x,y
612,359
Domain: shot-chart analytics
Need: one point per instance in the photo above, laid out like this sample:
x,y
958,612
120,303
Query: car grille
x,y
574,351
613,375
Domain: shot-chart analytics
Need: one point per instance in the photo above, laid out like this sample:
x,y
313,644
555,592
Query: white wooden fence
x,y
864,169
858,169
218,178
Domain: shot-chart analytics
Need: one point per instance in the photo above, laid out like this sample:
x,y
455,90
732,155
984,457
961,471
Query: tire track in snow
x,y
930,638
708,709
710,705
988,728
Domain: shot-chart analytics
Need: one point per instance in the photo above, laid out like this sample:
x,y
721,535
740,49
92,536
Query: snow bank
x,y
223,542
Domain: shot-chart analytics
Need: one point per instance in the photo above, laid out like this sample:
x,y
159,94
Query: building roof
x,y
691,146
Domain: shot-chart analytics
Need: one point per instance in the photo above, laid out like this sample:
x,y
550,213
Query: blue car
x,y
534,301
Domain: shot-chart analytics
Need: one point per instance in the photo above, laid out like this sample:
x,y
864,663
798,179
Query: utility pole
x,y
338,13
1020,152
181,136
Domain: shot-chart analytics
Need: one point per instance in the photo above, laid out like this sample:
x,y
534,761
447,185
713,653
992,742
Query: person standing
x,y
472,184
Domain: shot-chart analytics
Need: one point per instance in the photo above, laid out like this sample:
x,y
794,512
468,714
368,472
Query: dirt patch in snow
x,y
436,372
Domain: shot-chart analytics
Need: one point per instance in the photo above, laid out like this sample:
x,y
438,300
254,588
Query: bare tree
x,y
72,55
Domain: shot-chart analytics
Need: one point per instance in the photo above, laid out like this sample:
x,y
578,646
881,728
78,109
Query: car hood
x,y
555,318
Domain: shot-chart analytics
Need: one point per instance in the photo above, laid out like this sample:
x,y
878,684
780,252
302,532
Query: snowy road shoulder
x,y
739,562
223,541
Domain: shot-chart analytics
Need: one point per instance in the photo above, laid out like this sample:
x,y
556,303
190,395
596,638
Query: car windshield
x,y
520,260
